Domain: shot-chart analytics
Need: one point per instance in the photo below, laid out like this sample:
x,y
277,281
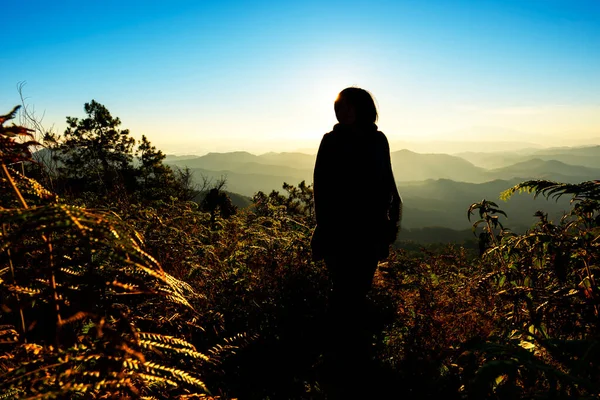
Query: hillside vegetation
x,y
435,188
115,284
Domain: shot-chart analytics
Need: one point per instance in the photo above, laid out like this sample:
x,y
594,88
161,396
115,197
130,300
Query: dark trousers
x,y
351,279
348,341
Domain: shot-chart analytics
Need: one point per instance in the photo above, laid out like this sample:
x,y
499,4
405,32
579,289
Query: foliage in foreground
x,y
119,302
546,341
80,297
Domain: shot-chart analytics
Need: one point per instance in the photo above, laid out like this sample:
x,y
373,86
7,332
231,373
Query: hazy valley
x,y
436,188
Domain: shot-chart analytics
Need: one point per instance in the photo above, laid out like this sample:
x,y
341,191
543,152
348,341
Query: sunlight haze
x,y
197,77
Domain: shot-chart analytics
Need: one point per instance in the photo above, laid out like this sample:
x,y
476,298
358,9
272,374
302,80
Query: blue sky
x,y
198,76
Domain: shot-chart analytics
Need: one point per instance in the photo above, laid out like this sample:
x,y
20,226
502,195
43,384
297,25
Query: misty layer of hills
x,y
436,189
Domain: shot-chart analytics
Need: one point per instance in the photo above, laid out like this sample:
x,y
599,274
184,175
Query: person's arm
x,y
322,183
395,206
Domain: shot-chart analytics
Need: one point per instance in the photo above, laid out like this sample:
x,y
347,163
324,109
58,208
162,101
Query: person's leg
x,y
348,344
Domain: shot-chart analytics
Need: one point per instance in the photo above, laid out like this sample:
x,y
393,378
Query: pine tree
x,y
96,155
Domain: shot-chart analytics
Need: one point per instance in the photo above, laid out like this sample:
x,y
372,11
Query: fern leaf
x,y
166,339
147,344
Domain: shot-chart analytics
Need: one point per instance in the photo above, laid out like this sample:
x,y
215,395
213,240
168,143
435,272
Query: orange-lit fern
x,y
75,287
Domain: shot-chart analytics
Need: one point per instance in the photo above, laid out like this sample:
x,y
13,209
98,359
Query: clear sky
x,y
197,76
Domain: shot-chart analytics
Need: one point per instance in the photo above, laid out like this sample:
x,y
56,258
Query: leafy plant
x,y
491,223
78,294
548,298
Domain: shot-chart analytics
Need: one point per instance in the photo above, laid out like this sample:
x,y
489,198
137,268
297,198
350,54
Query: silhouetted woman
x,y
358,211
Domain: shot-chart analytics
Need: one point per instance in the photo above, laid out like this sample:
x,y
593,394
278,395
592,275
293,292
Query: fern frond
x,y
71,271
157,379
178,374
550,189
175,296
8,335
166,339
30,187
78,316
24,290
10,115
161,371
12,393
128,288
147,344
181,286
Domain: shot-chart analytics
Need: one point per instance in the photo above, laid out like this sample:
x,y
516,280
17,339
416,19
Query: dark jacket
x,y
357,204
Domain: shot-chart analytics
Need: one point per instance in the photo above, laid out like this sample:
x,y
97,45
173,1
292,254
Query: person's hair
x,y
362,102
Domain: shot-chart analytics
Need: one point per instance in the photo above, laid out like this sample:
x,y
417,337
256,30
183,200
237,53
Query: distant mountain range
x,y
247,173
275,164
547,169
588,156
410,166
437,189
454,146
